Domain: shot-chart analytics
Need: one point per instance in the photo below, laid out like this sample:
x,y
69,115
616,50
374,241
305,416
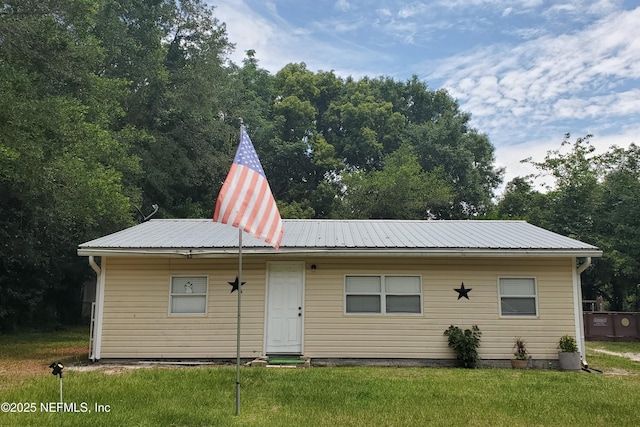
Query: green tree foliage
x,y
364,122
182,95
63,169
400,190
575,175
617,225
362,126
594,198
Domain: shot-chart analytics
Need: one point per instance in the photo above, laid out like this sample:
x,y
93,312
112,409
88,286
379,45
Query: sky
x,y
528,71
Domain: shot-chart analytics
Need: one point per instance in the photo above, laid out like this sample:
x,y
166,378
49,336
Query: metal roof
x,y
203,237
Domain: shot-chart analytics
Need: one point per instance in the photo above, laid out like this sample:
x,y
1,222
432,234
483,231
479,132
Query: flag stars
x,y
247,156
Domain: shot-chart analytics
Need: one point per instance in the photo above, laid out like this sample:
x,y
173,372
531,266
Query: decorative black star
x,y
462,292
234,285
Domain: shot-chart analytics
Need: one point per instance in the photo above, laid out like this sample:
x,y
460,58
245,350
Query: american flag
x,y
245,200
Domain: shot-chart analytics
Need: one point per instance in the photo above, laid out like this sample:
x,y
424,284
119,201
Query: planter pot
x,y
519,363
569,361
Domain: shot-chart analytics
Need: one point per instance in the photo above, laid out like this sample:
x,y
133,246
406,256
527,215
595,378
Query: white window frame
x,y
506,295
383,295
194,295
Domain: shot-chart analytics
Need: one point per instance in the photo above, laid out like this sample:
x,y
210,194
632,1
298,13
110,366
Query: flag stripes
x,y
245,200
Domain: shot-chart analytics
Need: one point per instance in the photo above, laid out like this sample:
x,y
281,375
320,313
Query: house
x,y
337,290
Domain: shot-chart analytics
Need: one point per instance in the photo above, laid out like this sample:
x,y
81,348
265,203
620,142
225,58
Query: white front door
x,y
284,308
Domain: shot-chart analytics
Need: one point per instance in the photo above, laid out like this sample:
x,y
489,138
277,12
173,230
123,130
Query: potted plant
x,y
568,356
520,352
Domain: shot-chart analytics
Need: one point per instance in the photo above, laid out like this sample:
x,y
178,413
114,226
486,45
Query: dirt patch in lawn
x,y
632,356
14,370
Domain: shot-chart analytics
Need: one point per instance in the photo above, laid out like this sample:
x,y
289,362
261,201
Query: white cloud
x,y
345,26
528,33
500,4
600,107
411,10
278,43
343,5
240,19
582,9
525,88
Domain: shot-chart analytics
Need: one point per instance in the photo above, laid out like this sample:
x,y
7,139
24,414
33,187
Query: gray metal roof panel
x,y
342,234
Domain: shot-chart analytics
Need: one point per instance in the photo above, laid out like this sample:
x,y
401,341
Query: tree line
x,y
110,106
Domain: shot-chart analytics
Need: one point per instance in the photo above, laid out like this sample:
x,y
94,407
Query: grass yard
x,y
313,397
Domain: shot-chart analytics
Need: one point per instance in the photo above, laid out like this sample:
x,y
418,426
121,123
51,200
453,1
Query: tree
x,y
576,175
362,122
401,190
466,158
183,96
617,225
593,198
63,169
363,129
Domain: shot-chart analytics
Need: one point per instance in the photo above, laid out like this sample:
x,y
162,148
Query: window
x,y
383,294
518,297
188,295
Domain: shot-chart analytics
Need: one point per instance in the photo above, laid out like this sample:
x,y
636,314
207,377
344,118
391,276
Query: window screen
x,y
518,297
188,295
383,294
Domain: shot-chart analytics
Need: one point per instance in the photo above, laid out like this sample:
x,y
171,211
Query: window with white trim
x,y
383,294
188,295
518,296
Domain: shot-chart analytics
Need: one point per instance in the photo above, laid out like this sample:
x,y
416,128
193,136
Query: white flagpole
x,y
239,307
239,311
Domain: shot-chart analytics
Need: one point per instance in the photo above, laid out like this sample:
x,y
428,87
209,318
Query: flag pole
x,y
239,306
238,203
239,311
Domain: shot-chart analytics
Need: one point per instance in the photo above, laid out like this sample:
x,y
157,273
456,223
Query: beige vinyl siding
x,y
137,324
331,333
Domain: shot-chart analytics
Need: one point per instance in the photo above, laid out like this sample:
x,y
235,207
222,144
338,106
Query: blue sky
x,y
528,71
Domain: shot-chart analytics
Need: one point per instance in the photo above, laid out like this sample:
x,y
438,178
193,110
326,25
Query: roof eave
x,y
353,252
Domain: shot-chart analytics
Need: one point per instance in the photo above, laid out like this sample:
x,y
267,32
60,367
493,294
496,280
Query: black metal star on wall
x,y
234,285
462,292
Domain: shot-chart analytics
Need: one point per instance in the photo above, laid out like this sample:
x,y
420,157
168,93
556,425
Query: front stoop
x,y
282,362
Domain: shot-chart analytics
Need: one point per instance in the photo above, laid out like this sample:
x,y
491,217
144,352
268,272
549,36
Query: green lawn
x,y
318,396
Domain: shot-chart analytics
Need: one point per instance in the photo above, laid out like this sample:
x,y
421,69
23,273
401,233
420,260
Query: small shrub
x,y
465,344
567,344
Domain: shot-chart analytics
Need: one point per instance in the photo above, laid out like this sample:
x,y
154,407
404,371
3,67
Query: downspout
x,y
97,327
94,266
577,288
